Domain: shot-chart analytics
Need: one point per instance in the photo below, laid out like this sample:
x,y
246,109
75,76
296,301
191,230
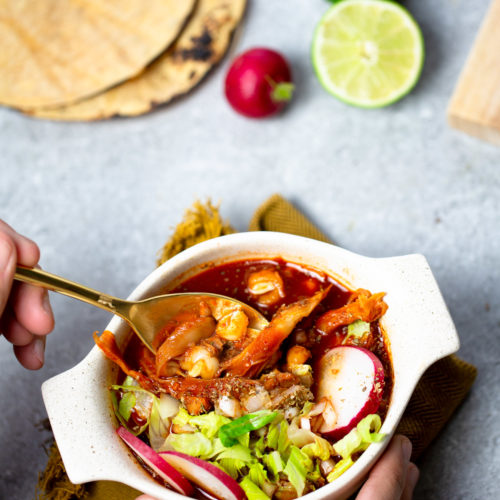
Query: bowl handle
x,y
418,311
81,416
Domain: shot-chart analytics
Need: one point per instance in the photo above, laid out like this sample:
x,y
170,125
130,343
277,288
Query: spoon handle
x,y
55,283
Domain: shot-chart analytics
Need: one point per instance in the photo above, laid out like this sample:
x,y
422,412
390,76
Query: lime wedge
x,y
368,53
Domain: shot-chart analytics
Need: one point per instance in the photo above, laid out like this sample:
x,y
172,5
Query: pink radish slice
x,y
352,379
156,462
207,476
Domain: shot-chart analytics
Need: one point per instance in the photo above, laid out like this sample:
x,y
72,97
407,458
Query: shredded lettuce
x,y
232,467
126,405
182,418
259,446
237,452
277,437
339,469
321,448
134,397
252,491
257,474
315,474
217,447
209,423
306,409
244,439
283,441
297,467
195,444
368,429
273,435
274,463
359,438
358,329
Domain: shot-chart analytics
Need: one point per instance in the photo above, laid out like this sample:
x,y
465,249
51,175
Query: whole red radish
x,y
259,83
352,379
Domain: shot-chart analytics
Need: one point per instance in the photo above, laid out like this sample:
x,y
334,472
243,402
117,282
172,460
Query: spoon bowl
x,y
146,317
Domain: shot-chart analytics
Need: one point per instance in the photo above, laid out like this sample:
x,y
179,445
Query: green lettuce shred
x,y
237,452
123,408
306,409
259,446
257,474
321,448
368,429
252,491
244,439
283,441
127,403
209,423
297,468
182,418
273,435
315,475
357,329
232,467
274,463
339,469
195,444
359,438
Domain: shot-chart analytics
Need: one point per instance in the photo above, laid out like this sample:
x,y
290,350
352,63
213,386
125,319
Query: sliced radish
x,y
352,379
206,475
156,462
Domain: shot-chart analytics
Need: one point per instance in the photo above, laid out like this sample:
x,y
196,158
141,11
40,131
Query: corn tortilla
x,y
200,46
55,52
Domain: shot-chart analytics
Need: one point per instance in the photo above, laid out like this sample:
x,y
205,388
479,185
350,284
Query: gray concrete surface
x,y
101,198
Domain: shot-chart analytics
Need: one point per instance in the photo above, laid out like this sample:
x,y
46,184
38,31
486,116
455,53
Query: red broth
x,y
299,281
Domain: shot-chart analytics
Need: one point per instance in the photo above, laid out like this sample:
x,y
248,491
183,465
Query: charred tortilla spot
x,y
201,49
205,39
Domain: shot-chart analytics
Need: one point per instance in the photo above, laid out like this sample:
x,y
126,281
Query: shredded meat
x,y
106,342
252,359
363,306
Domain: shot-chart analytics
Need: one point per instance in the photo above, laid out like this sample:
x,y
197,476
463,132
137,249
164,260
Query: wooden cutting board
x,y
475,105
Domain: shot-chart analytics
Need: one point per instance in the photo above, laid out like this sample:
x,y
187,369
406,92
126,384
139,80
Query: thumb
x,y
388,478
7,268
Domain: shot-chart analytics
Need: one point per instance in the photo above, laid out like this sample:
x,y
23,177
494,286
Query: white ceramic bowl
x,y
417,324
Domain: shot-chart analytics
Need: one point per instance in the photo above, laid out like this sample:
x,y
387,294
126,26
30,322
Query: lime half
x,y
368,53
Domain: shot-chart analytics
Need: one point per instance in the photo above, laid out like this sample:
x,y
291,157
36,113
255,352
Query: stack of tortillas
x,y
93,59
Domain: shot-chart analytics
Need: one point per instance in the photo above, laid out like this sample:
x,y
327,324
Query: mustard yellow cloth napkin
x,y
442,388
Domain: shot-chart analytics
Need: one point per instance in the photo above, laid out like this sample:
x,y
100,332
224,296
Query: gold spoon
x,y
146,317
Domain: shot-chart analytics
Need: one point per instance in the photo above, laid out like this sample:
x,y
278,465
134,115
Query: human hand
x,y
25,313
393,478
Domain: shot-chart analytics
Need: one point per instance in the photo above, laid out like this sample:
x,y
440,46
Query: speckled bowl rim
x,y
417,324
